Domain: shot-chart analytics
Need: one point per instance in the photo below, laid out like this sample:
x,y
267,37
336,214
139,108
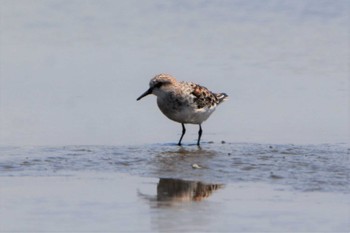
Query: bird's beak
x,y
149,91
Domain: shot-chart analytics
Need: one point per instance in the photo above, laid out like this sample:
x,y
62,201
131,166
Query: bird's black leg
x,y
183,133
199,134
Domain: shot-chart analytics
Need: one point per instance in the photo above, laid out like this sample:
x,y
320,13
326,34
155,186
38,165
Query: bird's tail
x,y
221,97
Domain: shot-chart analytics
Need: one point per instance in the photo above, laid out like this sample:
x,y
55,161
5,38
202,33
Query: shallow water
x,y
154,188
302,167
114,202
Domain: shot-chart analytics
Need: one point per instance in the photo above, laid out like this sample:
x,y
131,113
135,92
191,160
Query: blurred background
x,y
71,70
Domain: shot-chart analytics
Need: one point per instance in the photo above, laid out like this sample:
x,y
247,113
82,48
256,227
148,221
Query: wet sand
x,y
115,202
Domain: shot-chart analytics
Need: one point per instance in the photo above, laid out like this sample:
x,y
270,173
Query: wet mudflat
x,y
157,188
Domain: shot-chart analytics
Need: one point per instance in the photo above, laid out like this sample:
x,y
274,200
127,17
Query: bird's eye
x,y
158,85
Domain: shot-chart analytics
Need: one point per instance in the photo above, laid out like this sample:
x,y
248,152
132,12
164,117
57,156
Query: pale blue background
x,y
70,71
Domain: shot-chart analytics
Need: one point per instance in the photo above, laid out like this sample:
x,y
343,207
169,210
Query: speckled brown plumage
x,y
183,102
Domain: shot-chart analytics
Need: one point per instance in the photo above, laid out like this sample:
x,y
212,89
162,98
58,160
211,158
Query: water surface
x,y
155,188
301,167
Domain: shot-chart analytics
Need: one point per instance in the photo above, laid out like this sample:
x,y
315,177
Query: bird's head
x,y
157,84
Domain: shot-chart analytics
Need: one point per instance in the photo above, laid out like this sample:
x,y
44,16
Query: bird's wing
x,y
202,96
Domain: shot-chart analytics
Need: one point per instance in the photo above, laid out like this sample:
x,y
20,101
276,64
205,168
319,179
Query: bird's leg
x,y
183,133
199,134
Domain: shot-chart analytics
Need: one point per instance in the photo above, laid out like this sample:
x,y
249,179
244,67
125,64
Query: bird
x,y
183,102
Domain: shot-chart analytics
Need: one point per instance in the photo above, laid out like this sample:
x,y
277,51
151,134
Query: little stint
x,y
183,102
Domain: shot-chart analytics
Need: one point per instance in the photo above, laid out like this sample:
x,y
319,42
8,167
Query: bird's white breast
x,y
184,112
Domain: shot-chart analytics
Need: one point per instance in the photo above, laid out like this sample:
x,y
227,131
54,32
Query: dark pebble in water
x,y
223,142
270,147
210,142
228,153
273,176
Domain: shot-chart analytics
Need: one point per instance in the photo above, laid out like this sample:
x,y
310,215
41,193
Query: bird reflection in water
x,y
171,191
180,190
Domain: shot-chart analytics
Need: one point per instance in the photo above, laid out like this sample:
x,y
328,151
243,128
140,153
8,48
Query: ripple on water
x,y
303,167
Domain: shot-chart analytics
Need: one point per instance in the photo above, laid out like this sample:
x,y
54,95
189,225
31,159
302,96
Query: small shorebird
x,y
183,102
